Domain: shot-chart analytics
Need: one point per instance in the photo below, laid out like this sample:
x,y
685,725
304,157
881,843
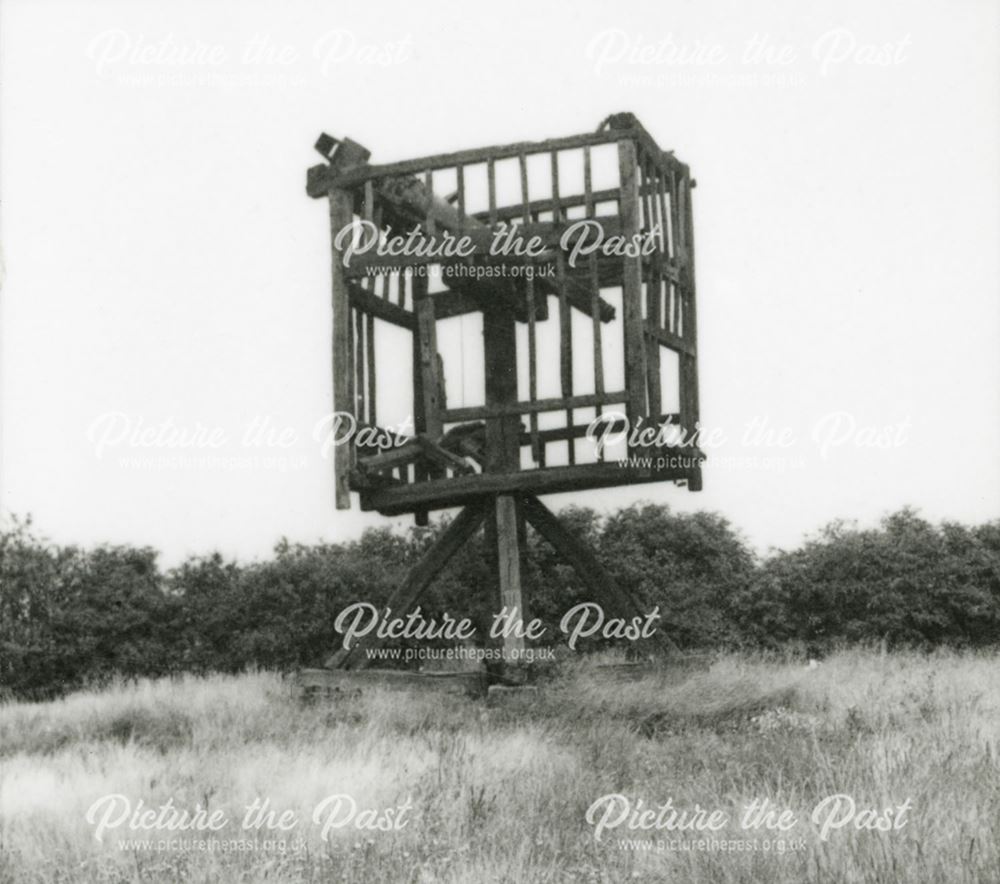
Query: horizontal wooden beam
x,y
445,459
322,177
380,308
677,464
579,296
516,210
450,303
670,340
562,434
559,403
401,455
471,296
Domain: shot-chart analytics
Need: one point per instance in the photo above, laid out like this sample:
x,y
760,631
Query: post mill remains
x,y
572,259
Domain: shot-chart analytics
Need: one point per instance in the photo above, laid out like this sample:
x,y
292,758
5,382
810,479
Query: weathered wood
x,y
661,217
441,494
689,365
509,568
419,204
672,341
460,195
453,302
430,219
588,567
401,290
565,351
321,178
657,294
652,199
635,362
588,400
652,343
537,452
360,405
406,453
503,450
341,214
419,411
644,193
577,431
370,367
652,281
675,224
430,378
368,206
595,285
417,580
442,458
491,185
416,449
351,372
380,307
550,204
503,426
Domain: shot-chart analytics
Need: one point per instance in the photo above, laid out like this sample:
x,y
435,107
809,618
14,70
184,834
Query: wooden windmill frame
x,y
495,459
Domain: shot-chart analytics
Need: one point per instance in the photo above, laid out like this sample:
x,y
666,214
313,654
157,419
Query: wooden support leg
x,y
587,565
417,580
341,215
503,454
509,568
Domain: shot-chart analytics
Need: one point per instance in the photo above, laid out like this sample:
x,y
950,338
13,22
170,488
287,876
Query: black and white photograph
x,y
529,442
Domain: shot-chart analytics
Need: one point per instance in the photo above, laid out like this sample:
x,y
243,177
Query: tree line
x,y
72,616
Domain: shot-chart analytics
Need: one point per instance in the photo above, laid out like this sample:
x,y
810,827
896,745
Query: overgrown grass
x,y
500,788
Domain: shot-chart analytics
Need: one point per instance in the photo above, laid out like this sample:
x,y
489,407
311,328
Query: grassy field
x,y
500,789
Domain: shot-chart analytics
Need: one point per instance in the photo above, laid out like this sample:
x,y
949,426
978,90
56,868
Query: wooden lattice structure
x,y
634,312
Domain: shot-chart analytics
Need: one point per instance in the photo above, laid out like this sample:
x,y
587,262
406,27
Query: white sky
x,y
163,261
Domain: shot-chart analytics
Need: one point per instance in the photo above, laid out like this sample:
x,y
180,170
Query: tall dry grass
x,y
500,789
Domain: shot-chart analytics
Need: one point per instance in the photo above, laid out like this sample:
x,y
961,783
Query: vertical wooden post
x,y
503,444
429,374
654,277
503,454
595,290
689,362
635,350
537,453
565,316
370,368
341,215
424,394
509,566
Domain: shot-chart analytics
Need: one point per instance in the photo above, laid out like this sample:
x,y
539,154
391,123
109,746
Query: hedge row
x,y
70,616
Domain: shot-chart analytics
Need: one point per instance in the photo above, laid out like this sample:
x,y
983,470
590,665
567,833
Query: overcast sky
x,y
164,266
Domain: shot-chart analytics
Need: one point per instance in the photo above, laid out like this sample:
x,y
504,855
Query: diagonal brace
x,y
587,566
417,580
